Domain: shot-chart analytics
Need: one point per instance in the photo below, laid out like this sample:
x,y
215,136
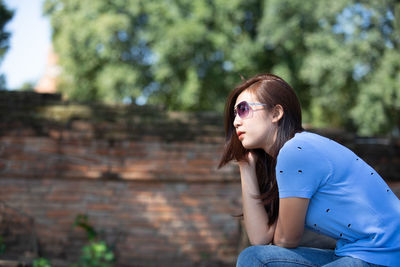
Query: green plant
x,y
96,253
41,262
82,221
2,245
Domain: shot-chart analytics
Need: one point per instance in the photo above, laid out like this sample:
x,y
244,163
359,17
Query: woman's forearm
x,y
255,216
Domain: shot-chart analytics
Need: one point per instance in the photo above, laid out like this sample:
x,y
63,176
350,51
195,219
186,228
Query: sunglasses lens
x,y
243,109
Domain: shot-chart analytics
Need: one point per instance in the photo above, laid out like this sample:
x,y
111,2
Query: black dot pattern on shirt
x,y
328,210
387,190
372,173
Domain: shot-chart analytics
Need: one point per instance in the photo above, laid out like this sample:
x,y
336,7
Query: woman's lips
x,y
240,135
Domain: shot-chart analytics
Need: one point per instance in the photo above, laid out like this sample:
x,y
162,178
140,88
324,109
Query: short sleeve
x,y
301,169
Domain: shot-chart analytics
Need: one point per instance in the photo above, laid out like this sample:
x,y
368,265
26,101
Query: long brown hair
x,y
270,90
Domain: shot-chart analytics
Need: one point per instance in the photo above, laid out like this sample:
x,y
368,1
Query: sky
x,y
30,40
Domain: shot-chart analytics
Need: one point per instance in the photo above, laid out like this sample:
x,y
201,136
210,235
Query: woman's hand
x,y
250,163
248,169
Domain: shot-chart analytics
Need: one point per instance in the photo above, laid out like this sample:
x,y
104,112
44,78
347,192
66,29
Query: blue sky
x,y
25,60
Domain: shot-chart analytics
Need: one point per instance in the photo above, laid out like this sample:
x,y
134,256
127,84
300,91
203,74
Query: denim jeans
x,y
271,256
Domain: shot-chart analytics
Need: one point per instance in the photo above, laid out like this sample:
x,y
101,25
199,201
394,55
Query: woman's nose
x,y
237,121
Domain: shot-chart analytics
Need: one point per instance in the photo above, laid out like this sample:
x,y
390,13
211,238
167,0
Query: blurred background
x,y
111,117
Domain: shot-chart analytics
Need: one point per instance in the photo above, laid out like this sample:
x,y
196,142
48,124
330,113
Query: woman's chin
x,y
249,145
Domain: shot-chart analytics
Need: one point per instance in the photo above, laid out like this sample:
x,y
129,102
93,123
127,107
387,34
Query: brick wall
x,y
146,178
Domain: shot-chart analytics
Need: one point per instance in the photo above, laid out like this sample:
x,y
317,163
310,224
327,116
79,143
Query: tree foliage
x,y
340,56
5,16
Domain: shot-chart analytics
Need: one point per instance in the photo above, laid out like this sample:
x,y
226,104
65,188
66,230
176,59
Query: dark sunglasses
x,y
244,110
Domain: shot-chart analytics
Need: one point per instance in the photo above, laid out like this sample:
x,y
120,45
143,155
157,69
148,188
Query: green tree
x,y
5,16
2,82
337,54
27,86
348,62
188,54
377,109
176,53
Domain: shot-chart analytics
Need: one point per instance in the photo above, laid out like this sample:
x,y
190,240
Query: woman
x,y
292,178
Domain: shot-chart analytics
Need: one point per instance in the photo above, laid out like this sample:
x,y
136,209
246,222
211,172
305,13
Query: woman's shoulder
x,y
306,140
300,144
307,148
310,147
301,157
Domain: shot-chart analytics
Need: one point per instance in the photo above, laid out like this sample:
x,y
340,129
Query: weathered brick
x,y
63,197
101,207
59,213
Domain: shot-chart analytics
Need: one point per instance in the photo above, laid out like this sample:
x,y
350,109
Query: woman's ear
x,y
277,113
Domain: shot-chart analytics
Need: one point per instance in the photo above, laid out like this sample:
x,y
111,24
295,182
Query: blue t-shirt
x,y
349,201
